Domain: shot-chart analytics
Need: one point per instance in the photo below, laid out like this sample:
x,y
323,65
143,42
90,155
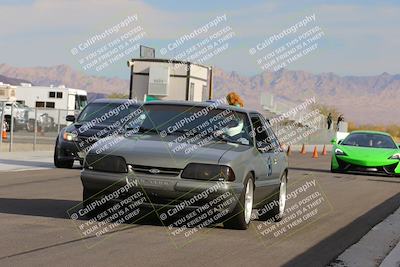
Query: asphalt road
x,y
35,229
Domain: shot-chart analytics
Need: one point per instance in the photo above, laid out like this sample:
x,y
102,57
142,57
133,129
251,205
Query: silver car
x,y
174,151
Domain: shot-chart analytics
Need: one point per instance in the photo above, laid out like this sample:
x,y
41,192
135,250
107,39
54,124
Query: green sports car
x,y
366,151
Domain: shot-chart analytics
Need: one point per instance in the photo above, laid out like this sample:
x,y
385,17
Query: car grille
x,y
151,170
105,163
388,169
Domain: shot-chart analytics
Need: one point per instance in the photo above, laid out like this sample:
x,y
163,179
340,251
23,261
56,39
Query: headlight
x,y
70,136
209,172
395,156
340,152
105,163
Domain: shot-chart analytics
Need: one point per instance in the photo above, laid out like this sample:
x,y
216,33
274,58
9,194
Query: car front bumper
x,y
160,192
344,163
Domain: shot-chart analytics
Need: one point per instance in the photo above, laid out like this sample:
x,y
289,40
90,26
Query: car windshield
x,y
202,122
369,140
105,113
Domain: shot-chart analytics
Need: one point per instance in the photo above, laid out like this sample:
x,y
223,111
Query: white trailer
x,y
51,97
53,103
167,79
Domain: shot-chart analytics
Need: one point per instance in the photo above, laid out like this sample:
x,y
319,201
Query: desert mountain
x,y
362,99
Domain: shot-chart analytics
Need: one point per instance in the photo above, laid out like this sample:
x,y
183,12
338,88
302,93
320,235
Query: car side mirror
x,y
70,118
333,141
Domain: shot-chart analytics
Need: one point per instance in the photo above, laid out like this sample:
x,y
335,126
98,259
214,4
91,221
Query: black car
x,y
97,120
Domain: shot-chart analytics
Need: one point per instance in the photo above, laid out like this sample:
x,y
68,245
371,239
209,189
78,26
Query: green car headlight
x,y
209,172
395,156
340,152
70,136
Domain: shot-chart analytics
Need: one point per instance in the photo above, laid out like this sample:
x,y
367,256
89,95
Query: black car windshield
x,y
202,122
105,113
369,140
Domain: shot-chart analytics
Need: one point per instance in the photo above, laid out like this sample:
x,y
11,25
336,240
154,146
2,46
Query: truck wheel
x,y
61,163
242,212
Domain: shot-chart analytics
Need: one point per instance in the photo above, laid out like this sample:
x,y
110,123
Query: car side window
x,y
272,137
260,132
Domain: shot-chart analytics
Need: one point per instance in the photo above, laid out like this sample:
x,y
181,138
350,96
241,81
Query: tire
x,y
277,212
61,163
338,170
242,211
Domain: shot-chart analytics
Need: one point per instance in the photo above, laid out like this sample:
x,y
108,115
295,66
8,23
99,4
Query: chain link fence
x,y
30,129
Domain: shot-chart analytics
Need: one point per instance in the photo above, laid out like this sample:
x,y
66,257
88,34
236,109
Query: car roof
x,y
114,100
198,104
370,132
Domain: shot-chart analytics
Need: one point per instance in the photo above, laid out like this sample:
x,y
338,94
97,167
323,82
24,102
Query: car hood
x,y
368,154
152,150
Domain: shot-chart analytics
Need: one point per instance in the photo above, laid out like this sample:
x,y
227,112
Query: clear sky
x,y
360,37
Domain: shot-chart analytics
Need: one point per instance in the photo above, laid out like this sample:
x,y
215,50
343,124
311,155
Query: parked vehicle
x,y
59,97
87,128
24,118
366,151
241,152
20,114
50,99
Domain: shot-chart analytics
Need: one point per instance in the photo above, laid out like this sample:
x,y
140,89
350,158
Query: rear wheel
x,y
242,211
61,163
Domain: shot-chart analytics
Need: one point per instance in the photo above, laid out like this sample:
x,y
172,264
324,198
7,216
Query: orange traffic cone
x,y
324,153
303,150
315,153
4,135
289,151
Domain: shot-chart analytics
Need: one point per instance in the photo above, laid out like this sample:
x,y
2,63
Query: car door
x,y
267,167
279,159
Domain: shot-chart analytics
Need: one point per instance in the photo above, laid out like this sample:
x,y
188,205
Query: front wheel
x,y
242,212
61,163
337,170
276,206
